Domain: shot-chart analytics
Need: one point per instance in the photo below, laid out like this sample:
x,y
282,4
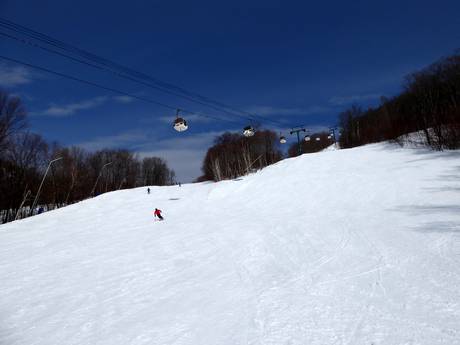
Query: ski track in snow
x,y
357,246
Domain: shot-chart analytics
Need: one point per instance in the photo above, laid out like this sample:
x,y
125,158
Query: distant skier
x,y
180,185
148,190
157,213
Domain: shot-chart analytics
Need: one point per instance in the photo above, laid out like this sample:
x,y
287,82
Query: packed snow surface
x,y
357,246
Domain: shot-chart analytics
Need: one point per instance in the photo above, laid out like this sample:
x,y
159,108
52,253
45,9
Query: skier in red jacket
x,y
157,213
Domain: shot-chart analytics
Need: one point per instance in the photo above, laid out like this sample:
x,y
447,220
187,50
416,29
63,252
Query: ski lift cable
x,y
61,45
111,65
110,68
67,47
112,71
148,100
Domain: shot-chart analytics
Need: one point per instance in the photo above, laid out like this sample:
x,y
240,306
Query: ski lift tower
x,y
332,133
297,131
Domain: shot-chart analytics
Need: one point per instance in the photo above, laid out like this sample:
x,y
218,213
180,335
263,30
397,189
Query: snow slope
x,y
358,246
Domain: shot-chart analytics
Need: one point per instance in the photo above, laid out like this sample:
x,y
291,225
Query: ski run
x,y
358,246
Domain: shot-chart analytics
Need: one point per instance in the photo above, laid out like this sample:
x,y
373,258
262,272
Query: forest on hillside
x,y
429,105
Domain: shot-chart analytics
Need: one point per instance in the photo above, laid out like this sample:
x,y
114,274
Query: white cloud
x,y
126,140
23,96
124,99
199,140
186,163
316,129
275,111
342,100
62,110
268,110
190,118
72,108
184,154
11,76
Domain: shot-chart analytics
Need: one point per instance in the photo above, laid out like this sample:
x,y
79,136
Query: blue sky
x,y
298,62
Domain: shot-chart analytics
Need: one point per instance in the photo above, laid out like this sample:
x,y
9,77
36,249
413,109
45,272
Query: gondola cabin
x,y
248,131
283,140
180,124
307,138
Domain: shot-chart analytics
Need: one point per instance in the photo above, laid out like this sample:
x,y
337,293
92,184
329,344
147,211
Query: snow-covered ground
x,y
358,246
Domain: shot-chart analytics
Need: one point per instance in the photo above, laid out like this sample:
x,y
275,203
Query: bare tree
x,y
233,155
155,172
429,104
12,118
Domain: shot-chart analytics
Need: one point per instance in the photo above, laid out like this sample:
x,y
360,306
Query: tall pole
x,y
121,183
98,176
297,131
22,203
255,160
41,184
332,131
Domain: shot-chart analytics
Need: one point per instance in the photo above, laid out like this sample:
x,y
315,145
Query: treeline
x,y
317,142
234,155
76,175
429,104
